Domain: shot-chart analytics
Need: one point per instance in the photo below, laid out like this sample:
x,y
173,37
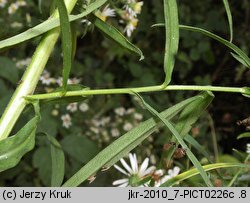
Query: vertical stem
x,y
30,77
214,138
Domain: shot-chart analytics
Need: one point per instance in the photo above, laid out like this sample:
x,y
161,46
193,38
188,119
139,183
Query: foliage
x,y
81,129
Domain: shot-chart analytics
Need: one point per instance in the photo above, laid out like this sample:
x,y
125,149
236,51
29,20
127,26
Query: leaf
x,y
192,172
114,34
172,37
197,146
8,70
58,161
42,161
66,41
79,147
230,45
239,59
47,25
229,18
244,135
13,148
188,117
178,137
120,147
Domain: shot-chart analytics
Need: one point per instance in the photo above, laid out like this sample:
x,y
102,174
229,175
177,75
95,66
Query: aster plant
x,y
177,119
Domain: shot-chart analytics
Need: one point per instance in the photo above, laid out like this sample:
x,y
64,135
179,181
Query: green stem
x,y
138,90
30,77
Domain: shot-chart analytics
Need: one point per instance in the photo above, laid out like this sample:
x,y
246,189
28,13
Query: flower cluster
x,y
104,128
129,15
137,174
3,3
14,6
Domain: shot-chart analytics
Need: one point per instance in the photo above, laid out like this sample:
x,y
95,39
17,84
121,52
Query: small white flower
x,y
115,132
23,63
171,173
21,3
87,22
74,81
84,107
130,110
13,8
120,111
106,12
131,27
105,120
96,122
66,120
127,126
72,107
248,148
46,79
95,130
138,116
134,172
3,3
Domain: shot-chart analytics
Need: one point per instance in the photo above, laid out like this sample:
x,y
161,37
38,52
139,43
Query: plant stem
x,y
138,90
30,77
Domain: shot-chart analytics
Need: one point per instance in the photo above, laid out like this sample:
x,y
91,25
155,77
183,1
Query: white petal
x,y
149,171
121,170
123,185
144,166
133,162
126,166
176,170
136,168
120,181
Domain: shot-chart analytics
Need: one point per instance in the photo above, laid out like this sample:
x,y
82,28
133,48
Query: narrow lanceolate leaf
x,y
120,147
201,149
114,34
172,37
229,18
13,148
66,41
230,45
178,137
57,158
47,25
192,172
189,116
244,135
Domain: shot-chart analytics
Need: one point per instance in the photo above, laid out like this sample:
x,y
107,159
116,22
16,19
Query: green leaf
x,y
120,147
112,33
192,172
66,41
172,37
244,135
79,147
47,25
230,45
8,70
239,59
13,148
197,146
42,161
57,160
178,137
229,18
